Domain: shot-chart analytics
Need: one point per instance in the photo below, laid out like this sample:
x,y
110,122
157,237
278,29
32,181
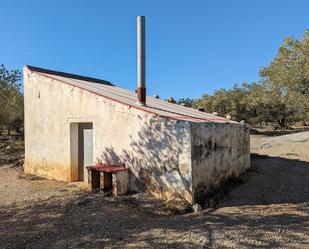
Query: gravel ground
x,y
268,208
290,146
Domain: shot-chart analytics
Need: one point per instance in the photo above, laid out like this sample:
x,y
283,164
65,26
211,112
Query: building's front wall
x,y
219,151
157,150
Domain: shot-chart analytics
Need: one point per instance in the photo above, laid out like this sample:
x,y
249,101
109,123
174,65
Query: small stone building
x,y
171,150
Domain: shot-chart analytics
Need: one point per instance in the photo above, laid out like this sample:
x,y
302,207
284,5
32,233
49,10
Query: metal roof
x,y
128,98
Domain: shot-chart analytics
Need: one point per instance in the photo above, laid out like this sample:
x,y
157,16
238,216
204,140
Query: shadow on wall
x,y
158,156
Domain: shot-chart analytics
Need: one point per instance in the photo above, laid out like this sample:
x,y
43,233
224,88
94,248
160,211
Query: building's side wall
x,y
219,152
157,150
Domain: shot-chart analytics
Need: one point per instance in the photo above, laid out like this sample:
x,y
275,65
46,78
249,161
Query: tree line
x,y
11,101
281,96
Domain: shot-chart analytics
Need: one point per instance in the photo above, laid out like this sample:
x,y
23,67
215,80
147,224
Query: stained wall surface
x,y
219,152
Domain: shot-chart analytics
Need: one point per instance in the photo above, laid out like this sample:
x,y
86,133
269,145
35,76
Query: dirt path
x,y
291,146
269,209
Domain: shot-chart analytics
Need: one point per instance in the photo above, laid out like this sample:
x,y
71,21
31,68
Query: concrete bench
x,y
109,177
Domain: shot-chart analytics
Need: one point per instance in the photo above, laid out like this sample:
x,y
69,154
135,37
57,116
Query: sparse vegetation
x,y
281,96
11,101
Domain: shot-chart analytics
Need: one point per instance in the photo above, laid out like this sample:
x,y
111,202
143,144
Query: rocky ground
x,y
11,150
268,208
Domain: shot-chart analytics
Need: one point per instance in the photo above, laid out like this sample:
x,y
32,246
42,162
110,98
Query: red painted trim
x,y
181,117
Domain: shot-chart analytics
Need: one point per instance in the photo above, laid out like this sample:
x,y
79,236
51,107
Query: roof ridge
x,y
68,75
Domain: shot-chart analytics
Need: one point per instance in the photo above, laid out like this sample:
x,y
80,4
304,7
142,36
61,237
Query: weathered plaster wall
x,y
157,150
219,151
166,157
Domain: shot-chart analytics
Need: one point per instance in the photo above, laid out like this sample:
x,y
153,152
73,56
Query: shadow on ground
x,y
271,180
275,133
268,210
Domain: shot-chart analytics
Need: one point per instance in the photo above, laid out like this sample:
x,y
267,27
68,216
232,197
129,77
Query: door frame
x,y
74,149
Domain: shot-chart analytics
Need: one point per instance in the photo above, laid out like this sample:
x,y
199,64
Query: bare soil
x,y
11,150
268,208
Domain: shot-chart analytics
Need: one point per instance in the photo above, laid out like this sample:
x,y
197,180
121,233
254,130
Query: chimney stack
x,y
141,61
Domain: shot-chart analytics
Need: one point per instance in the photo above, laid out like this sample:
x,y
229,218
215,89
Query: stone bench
x,y
109,177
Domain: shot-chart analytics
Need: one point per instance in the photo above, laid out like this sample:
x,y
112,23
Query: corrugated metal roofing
x,y
126,97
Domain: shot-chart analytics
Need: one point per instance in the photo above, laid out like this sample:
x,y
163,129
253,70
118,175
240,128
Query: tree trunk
x,y
282,124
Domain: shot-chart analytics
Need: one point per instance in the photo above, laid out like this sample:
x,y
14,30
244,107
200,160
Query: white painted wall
x,y
157,150
169,158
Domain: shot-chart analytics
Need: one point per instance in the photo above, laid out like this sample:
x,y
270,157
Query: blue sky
x,y
193,47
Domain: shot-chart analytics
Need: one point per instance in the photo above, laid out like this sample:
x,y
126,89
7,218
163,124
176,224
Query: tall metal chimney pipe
x,y
141,61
